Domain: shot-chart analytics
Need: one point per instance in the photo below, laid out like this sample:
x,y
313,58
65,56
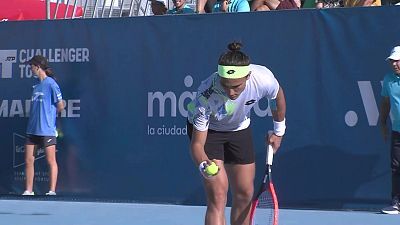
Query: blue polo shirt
x,y
186,10
391,89
233,6
43,111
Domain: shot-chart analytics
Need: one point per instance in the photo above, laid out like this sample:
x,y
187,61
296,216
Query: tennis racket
x,y
264,208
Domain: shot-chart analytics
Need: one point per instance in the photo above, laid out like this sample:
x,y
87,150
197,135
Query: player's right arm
x,y
197,146
383,115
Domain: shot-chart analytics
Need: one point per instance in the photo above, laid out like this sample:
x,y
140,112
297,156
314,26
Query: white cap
x,y
394,54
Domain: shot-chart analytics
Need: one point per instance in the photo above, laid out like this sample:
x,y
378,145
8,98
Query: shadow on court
x,y
323,177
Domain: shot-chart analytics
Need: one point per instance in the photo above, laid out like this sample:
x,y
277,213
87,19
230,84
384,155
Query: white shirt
x,y
212,109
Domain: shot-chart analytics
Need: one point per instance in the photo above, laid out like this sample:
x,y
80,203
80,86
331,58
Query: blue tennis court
x,y
39,212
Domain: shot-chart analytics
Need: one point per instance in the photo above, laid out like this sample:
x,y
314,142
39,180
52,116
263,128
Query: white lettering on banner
x,y
72,108
7,59
164,130
177,103
25,71
56,54
369,103
351,117
21,108
171,97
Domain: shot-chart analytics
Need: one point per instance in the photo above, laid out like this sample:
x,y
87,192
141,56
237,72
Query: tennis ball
x,y
59,133
212,169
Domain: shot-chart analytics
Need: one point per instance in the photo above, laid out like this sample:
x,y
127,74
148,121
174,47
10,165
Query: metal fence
x,y
107,8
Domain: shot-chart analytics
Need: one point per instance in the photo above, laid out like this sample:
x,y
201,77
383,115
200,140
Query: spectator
x,y
319,4
204,6
390,104
208,6
360,3
231,6
266,5
158,7
180,7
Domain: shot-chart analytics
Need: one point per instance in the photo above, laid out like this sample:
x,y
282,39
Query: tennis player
x,y
219,129
41,130
390,104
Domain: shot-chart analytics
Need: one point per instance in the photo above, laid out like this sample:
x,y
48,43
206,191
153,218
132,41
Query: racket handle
x,y
270,155
270,151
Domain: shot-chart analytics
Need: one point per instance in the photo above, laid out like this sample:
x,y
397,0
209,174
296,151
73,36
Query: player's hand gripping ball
x,y
212,169
208,171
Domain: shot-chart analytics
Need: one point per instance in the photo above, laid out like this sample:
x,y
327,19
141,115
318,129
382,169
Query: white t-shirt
x,y
212,109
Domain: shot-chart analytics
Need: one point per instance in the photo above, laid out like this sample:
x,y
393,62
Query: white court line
x,y
31,212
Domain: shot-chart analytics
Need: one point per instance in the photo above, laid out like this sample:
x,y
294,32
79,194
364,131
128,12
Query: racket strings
x,y
265,201
266,205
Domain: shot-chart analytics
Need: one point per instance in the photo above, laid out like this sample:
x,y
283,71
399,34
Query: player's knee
x,y
244,195
217,198
52,163
29,160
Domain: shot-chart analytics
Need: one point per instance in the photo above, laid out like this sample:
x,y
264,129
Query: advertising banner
x,y
126,83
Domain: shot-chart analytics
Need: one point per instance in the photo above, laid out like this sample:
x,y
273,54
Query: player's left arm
x,y
60,106
57,97
278,110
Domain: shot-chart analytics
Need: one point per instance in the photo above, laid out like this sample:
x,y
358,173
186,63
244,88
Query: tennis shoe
x,y
394,208
51,193
28,193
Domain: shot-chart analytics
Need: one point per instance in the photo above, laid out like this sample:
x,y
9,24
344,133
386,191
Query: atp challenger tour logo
x,y
20,57
13,64
7,59
168,104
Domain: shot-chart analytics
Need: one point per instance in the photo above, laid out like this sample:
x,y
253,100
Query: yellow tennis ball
x,y
212,169
59,133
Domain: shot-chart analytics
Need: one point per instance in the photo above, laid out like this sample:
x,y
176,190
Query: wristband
x,y
202,168
279,127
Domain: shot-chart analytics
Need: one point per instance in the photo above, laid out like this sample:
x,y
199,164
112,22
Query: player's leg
x,y
29,167
52,162
394,207
241,178
395,165
216,189
240,167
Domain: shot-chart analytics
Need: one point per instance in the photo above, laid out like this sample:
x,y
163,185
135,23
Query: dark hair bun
x,y
235,46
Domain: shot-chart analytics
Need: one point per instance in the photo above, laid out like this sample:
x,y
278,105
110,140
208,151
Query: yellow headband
x,y
233,72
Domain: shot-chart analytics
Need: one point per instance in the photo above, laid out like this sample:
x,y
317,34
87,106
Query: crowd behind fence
x,y
128,8
108,8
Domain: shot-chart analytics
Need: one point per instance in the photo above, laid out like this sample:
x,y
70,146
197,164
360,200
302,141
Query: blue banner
x,y
126,82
